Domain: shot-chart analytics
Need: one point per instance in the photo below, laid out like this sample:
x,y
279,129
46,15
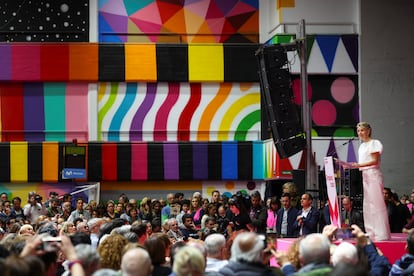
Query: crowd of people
x,y
190,236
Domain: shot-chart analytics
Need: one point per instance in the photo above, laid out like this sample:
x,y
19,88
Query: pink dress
x,y
374,208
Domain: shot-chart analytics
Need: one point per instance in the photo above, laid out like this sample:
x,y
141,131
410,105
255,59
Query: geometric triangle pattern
x,y
327,54
206,21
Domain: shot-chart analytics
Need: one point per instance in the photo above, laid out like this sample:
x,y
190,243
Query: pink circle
x,y
297,91
323,113
343,89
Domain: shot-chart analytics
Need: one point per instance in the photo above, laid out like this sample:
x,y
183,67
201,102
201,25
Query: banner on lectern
x,y
334,211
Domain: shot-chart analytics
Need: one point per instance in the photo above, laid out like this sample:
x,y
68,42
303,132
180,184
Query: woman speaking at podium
x,y
374,209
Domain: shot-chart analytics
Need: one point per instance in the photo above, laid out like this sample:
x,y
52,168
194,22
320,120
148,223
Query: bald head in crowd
x,y
136,262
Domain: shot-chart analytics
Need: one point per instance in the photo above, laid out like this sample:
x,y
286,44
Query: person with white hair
x,y
189,261
247,253
345,252
136,262
314,255
215,245
94,225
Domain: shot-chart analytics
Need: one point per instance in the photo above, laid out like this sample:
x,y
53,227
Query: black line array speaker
x,y
352,187
299,178
282,118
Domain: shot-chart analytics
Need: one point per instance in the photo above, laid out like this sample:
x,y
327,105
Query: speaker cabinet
x,y
352,187
276,91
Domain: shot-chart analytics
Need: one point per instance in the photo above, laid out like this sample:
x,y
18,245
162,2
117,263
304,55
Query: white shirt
x,y
365,150
214,265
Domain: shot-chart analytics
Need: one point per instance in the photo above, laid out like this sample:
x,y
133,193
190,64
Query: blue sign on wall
x,y
72,173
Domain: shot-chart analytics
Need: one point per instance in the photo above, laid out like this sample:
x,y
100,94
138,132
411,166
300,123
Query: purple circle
x,y
323,113
343,90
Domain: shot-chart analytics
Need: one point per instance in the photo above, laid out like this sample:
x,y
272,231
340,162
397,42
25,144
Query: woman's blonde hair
x,y
189,261
366,126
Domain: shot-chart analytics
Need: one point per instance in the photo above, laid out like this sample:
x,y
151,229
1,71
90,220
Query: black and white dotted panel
x,y
44,20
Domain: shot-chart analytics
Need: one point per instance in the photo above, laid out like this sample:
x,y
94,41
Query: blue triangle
x,y
328,45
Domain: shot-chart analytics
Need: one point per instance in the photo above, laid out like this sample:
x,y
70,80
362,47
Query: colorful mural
x,y
43,189
212,21
179,112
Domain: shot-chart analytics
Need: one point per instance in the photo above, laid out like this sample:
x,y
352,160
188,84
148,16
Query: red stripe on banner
x,y
109,161
12,113
54,62
188,112
139,161
26,62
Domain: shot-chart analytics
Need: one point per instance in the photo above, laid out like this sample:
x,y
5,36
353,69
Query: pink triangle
x,y
216,25
200,8
115,7
150,14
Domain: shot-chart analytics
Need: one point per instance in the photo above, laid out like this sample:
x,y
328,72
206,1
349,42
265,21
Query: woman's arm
x,y
374,161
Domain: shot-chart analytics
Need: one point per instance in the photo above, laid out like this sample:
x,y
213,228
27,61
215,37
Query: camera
x,y
344,233
38,198
194,236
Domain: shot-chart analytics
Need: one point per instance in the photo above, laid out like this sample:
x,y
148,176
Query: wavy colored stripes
x,y
101,96
232,112
245,124
115,126
208,115
107,105
160,127
138,120
188,112
164,111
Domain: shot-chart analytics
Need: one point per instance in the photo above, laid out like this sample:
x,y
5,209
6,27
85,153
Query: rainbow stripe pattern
x,y
178,112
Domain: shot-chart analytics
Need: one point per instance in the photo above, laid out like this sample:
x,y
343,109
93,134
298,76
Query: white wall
x,y
387,85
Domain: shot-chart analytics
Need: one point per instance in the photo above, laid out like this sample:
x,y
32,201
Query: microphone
x,y
349,141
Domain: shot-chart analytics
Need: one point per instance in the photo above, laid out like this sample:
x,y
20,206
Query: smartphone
x,y
344,233
50,244
271,239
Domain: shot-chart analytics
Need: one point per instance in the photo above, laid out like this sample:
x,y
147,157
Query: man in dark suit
x,y
286,217
307,219
349,215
